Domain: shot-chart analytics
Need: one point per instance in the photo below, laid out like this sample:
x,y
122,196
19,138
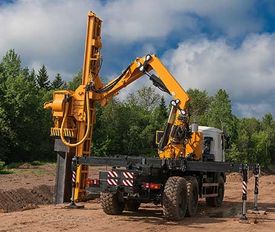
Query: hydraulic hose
x,y
88,123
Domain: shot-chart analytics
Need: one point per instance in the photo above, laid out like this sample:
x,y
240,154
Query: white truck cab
x,y
213,143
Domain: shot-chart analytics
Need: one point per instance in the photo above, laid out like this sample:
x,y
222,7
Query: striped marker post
x,y
244,171
72,205
256,186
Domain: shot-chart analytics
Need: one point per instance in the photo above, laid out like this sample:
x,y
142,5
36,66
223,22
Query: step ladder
x,y
210,189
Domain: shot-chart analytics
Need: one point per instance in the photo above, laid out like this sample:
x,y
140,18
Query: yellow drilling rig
x,y
191,157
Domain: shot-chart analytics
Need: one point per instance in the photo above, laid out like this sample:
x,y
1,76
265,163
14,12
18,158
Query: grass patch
x,y
25,168
5,171
14,165
39,172
37,163
34,171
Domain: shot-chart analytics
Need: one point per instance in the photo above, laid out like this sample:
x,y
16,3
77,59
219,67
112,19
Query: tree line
x,y
122,127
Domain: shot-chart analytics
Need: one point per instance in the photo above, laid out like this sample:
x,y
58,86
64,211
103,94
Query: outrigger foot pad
x,y
72,205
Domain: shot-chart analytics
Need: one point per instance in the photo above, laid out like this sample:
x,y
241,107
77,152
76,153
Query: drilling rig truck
x,y
190,163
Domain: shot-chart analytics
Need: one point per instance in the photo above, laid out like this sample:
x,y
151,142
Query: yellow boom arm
x,y
139,68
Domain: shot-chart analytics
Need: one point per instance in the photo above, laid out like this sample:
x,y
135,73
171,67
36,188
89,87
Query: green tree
x,y
220,114
72,85
42,78
129,127
243,143
268,126
10,65
234,155
267,121
161,112
29,76
21,118
57,82
260,152
199,105
32,76
146,97
255,140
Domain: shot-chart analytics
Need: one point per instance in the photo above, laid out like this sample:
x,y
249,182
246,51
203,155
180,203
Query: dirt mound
x,y
27,166
22,199
237,177
234,177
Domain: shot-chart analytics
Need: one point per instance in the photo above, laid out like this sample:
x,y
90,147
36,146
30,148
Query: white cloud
x,y
52,32
247,72
254,109
43,31
138,20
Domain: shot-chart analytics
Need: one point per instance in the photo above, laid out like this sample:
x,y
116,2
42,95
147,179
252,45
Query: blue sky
x,y
212,44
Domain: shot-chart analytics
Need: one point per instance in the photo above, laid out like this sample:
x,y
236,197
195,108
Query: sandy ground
x,y
27,176
28,187
149,217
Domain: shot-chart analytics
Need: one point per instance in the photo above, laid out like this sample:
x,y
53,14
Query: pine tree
x,y
10,65
42,78
162,111
72,85
198,105
57,82
220,114
32,76
267,121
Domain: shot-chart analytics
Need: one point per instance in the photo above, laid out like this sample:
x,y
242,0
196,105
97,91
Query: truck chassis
x,y
176,184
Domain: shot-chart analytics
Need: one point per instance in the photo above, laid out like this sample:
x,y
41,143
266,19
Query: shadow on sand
x,y
153,214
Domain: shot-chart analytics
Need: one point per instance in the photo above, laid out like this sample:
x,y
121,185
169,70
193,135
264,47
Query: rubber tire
x,y
192,196
132,205
110,203
217,201
175,198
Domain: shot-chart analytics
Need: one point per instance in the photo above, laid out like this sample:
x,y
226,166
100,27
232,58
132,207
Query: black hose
x,y
108,87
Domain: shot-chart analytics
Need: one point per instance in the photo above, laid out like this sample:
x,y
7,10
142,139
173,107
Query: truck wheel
x,y
111,203
175,198
217,201
132,205
192,196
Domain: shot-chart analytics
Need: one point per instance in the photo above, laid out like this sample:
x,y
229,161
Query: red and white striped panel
x,y
112,174
128,175
128,183
112,182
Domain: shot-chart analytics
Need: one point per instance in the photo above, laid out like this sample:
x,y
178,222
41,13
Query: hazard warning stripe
x,y
128,182
129,175
109,182
112,174
244,187
112,182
